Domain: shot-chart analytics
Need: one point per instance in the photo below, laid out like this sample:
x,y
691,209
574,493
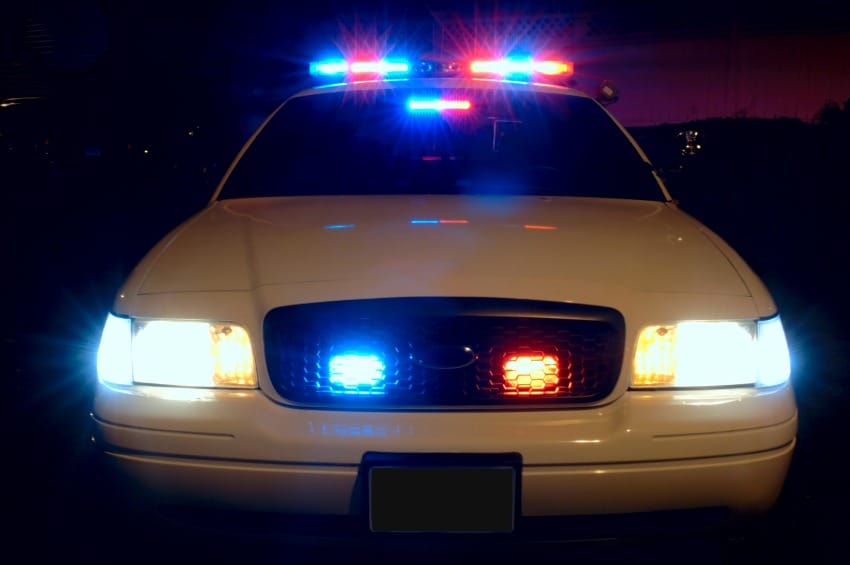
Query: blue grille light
x,y
353,373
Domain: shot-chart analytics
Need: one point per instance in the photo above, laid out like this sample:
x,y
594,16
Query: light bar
x,y
438,105
504,67
337,67
329,68
380,67
519,67
553,67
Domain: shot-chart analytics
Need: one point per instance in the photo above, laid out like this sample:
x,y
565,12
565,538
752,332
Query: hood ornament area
x,y
446,357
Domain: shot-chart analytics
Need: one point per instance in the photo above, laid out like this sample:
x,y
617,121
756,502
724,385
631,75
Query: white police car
x,y
445,298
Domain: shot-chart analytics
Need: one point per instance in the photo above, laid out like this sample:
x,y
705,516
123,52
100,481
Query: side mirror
x,y
607,93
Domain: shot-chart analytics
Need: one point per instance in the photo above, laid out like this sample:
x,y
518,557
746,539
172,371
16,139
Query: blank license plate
x,y
442,499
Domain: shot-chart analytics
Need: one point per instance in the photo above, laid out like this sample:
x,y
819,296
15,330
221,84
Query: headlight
x,y
712,354
176,353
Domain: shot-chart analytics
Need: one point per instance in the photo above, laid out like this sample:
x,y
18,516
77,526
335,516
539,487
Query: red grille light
x,y
530,374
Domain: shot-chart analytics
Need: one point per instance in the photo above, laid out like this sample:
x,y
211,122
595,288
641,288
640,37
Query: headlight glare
x,y
711,354
175,353
774,357
186,353
114,355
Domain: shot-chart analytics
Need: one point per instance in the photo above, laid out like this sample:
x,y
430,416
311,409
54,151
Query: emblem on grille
x,y
446,357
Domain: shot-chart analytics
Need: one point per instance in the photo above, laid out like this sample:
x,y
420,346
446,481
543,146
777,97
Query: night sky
x,y
207,58
138,72
141,75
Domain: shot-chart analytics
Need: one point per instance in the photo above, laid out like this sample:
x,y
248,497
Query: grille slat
x,y
438,352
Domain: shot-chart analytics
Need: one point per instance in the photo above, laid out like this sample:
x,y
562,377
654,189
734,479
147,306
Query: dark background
x,y
141,108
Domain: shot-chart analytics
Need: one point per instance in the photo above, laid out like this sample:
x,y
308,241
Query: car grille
x,y
442,352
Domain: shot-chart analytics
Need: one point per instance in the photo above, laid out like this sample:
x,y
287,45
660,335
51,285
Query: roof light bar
x,y
522,68
328,68
552,68
380,67
336,67
505,67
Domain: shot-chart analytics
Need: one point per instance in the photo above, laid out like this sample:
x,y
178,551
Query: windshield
x,y
391,141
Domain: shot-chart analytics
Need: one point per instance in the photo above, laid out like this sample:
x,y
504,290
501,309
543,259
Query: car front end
x,y
422,361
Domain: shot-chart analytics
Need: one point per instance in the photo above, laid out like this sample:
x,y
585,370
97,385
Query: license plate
x,y
435,497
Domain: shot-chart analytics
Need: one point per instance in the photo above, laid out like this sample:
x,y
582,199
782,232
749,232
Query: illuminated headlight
x,y
176,353
712,354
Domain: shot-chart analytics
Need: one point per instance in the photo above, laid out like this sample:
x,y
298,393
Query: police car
x,y
445,297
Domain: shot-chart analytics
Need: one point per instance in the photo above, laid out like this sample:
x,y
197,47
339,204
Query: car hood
x,y
412,244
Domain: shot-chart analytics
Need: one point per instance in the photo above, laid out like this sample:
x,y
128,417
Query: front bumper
x,y
646,451
744,483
